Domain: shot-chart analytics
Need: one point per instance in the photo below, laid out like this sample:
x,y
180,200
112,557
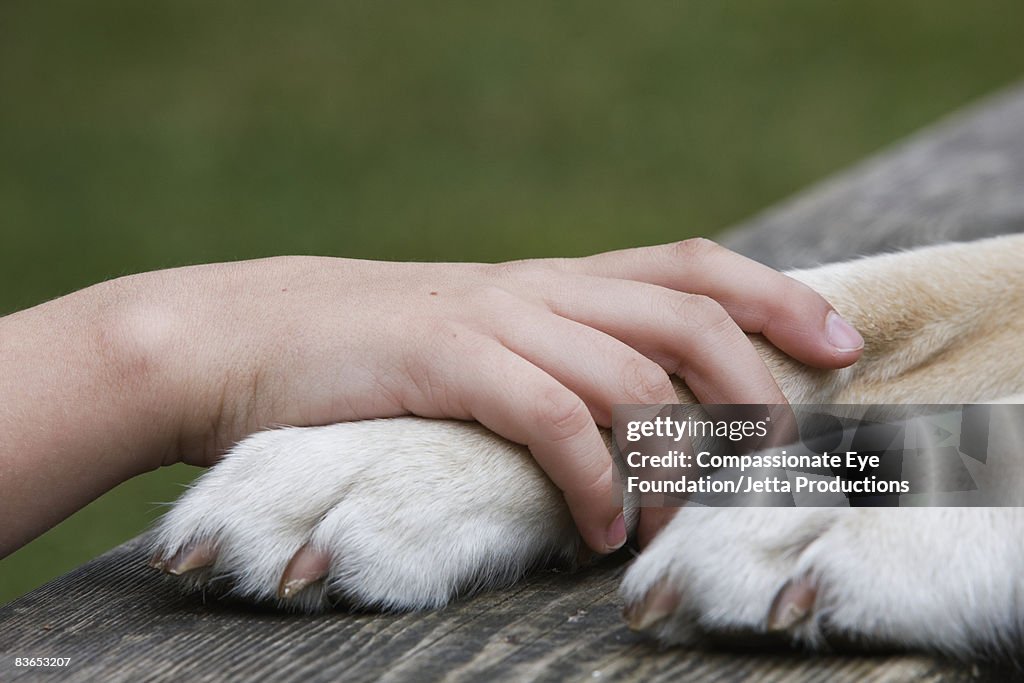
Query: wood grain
x,y
119,620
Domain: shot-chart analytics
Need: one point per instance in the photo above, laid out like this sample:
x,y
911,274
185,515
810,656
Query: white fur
x,y
946,579
415,512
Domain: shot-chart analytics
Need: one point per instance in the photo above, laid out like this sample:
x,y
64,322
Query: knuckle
x,y
677,306
706,325
527,271
646,383
697,311
708,314
695,248
562,415
505,270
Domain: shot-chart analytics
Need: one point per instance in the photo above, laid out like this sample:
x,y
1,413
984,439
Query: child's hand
x,y
538,351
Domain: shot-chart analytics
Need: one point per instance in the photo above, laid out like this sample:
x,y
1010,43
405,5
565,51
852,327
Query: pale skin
x,y
177,365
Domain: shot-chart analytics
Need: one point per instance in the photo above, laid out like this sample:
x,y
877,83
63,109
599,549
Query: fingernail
x,y
841,334
615,537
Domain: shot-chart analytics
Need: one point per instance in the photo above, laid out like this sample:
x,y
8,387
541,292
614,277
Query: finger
x,y
688,334
514,398
598,368
761,300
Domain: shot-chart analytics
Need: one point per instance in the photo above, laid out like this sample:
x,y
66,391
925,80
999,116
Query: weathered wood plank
x,y
120,621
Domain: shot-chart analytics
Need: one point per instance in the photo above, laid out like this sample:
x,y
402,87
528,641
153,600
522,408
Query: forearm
x,y
81,407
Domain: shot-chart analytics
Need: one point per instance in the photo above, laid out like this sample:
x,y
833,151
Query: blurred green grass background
x,y
141,135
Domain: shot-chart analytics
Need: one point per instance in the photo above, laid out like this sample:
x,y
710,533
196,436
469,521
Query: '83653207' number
x,y
42,661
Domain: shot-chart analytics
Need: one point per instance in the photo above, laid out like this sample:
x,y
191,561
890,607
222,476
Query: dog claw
x,y
792,604
189,558
306,567
656,606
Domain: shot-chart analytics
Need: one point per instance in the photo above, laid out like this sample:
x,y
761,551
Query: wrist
x,y
188,342
140,342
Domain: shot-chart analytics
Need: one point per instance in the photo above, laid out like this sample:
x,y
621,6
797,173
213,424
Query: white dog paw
x,y
385,514
945,579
